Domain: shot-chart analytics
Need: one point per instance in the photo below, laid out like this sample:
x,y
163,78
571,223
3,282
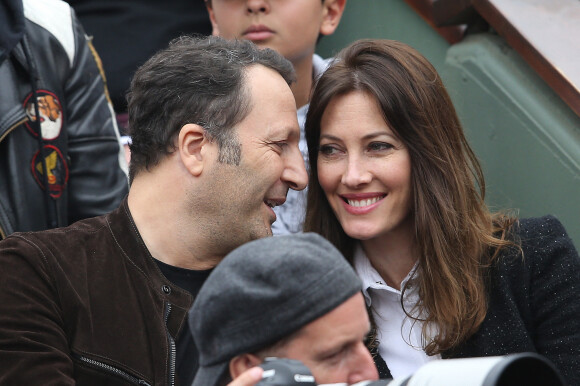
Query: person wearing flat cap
x,y
289,296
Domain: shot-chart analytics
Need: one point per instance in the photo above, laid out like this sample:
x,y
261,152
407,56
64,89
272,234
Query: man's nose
x,y
363,366
294,173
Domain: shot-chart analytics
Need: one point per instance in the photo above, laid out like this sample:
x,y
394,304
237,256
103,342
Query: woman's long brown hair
x,y
456,236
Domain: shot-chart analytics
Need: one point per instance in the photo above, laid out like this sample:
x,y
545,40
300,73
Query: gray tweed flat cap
x,y
262,292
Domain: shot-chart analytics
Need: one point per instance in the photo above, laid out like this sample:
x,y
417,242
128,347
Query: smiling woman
x,y
371,156
397,188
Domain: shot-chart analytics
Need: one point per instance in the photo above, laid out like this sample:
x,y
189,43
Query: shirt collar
x,y
371,279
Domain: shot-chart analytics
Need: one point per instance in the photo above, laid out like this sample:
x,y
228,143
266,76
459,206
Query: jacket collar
x,y
132,246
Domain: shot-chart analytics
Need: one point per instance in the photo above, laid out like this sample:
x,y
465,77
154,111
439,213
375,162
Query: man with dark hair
x,y
292,28
105,301
290,296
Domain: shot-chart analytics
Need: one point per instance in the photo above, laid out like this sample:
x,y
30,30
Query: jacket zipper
x,y
172,349
129,377
113,370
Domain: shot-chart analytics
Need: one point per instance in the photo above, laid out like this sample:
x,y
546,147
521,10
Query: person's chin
x,y
263,231
268,228
360,231
266,232
269,232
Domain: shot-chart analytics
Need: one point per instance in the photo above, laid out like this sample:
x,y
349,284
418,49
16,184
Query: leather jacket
x,y
87,304
47,67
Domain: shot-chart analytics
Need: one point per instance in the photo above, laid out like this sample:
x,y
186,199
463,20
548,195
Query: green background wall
x,y
526,138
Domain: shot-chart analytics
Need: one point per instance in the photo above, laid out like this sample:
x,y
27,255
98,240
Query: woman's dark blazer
x,y
534,301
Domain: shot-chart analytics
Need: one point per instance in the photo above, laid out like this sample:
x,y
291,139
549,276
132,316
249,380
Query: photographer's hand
x,y
249,377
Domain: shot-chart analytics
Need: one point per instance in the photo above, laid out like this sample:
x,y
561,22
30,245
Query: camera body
x,y
290,372
285,372
526,369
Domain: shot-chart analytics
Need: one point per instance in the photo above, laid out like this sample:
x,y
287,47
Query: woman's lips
x,y
362,204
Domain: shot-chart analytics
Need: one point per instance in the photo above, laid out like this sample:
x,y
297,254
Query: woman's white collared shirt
x,y
400,340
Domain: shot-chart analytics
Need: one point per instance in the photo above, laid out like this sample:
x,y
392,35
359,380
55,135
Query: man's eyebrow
x,y
286,132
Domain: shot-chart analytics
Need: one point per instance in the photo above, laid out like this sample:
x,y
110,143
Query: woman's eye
x,y
327,150
379,146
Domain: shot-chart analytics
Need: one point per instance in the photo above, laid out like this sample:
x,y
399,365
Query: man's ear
x,y
332,13
192,145
241,363
214,25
